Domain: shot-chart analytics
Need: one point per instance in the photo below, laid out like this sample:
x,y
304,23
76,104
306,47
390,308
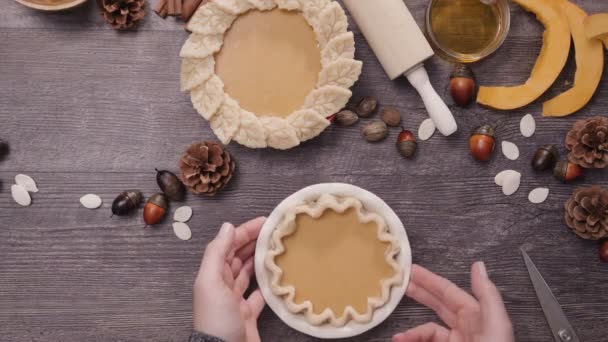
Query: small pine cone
x,y
587,213
206,167
122,14
587,142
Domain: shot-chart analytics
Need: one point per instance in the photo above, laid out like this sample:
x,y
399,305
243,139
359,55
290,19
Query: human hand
x,y
219,306
468,319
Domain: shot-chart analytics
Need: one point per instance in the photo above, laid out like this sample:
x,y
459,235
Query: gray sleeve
x,y
201,337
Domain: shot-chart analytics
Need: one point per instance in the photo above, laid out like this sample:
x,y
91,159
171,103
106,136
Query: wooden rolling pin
x,y
401,48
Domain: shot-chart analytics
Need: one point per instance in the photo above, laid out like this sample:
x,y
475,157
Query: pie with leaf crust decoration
x,y
333,261
268,73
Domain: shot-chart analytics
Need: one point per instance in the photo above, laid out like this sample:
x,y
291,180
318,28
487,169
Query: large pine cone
x,y
588,143
122,14
206,167
587,213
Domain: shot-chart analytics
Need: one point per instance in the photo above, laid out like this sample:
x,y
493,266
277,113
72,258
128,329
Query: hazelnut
x,y
375,131
390,116
346,118
367,106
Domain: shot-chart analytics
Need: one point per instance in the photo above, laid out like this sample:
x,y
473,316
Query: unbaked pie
x,y
268,73
333,261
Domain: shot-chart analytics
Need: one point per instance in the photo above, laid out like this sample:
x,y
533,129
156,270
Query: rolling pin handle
x,y
437,109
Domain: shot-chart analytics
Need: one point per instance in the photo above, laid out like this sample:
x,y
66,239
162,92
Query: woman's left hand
x,y
226,270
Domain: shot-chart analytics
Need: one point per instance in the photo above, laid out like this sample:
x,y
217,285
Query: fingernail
x,y
482,269
226,226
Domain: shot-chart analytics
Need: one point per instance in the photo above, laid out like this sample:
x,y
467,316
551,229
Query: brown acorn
x,y
367,106
374,131
390,116
155,209
567,171
406,143
604,250
462,85
482,143
171,186
545,158
345,118
126,202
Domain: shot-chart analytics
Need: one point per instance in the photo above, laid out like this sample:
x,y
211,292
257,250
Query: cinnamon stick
x,y
178,7
160,8
189,7
171,7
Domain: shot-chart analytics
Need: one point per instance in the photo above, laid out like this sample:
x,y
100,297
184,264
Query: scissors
x,y
561,328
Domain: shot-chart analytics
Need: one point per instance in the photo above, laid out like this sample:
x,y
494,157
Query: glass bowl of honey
x,y
467,30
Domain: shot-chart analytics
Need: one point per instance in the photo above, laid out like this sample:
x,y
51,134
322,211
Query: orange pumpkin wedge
x,y
596,27
550,62
589,66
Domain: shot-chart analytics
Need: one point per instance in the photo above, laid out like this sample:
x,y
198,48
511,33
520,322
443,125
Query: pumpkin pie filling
x,y
269,61
334,261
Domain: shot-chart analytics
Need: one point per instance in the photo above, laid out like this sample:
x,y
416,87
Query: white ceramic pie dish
x,y
372,203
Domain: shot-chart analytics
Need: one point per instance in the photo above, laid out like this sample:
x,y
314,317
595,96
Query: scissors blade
x,y
561,328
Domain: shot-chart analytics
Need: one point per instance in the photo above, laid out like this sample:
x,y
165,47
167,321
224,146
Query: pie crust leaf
x,y
208,97
287,226
196,71
210,19
263,5
332,22
327,100
201,46
342,73
226,122
289,5
308,123
312,8
341,46
280,134
251,132
234,7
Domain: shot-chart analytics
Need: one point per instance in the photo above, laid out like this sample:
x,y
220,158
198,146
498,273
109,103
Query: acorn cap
x,y
462,70
485,130
158,199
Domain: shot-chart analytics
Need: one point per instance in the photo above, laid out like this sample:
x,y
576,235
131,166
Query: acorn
x,y
545,158
126,202
567,171
390,116
346,118
3,149
171,185
406,143
462,85
482,143
155,209
604,250
367,106
375,131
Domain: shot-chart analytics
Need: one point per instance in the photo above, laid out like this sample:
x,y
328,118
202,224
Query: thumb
x,y
492,307
218,250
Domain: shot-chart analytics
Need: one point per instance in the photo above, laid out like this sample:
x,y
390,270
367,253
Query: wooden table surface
x,y
87,109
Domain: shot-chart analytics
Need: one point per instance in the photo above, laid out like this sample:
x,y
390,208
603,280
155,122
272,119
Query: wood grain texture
x,y
87,109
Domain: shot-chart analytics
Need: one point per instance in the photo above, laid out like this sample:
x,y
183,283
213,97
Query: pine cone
x,y
122,14
206,167
588,143
587,213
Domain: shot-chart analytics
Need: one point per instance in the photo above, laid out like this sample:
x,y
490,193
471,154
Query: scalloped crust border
x,y
315,209
338,73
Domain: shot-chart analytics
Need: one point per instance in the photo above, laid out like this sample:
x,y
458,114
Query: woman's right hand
x,y
482,318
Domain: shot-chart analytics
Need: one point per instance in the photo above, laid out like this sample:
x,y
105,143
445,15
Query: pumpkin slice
x,y
550,62
596,26
589,66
